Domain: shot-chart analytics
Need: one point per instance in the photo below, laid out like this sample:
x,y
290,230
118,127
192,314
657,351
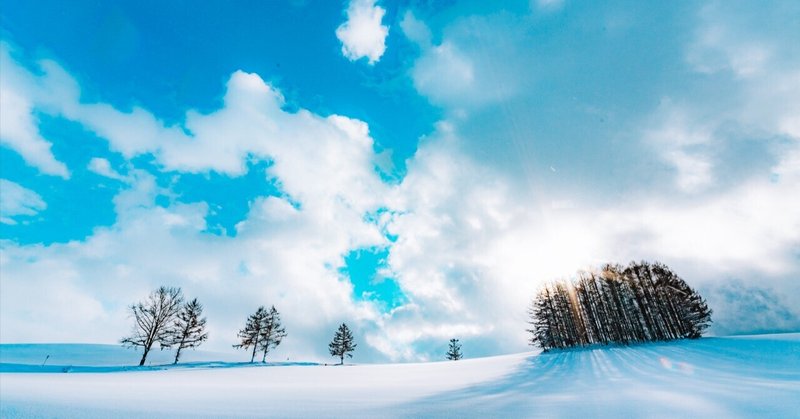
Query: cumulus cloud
x,y
470,233
685,144
16,200
287,252
315,158
103,167
362,34
471,66
281,256
416,30
761,103
18,125
473,247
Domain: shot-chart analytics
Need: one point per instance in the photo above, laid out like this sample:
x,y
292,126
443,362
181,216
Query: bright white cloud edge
x,y
362,35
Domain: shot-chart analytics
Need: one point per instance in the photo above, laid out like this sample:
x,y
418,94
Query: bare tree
x,y
189,329
154,320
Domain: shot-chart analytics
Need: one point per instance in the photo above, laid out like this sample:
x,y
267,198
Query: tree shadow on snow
x,y
706,378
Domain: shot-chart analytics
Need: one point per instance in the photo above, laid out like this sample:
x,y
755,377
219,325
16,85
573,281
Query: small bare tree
x,y
155,317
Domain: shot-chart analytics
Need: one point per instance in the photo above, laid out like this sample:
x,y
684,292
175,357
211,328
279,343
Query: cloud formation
x,y
469,233
362,35
18,125
17,200
288,251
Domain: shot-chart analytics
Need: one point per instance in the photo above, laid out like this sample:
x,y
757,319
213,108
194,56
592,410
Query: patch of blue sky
x,y
364,268
377,218
75,206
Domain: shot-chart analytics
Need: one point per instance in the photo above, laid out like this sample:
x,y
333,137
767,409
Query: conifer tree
x,y
454,351
189,329
272,332
342,343
154,318
251,335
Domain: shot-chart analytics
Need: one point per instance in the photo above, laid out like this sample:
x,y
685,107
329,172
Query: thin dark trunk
x,y
180,346
144,355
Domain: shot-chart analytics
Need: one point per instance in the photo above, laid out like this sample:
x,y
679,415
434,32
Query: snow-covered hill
x,y
756,376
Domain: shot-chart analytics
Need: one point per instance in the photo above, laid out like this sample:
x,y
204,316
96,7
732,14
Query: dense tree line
x,y
639,303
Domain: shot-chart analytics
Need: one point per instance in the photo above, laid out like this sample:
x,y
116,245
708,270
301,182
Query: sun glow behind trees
x,y
639,303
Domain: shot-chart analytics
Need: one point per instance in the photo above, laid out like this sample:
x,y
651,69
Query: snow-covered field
x,y
752,377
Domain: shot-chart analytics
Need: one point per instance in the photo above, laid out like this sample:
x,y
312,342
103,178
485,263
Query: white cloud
x,y
363,35
282,255
476,64
287,252
18,124
761,103
471,235
316,158
416,30
472,248
103,167
683,143
744,44
16,200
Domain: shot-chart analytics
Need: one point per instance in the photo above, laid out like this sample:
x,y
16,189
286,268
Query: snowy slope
x,y
714,377
75,354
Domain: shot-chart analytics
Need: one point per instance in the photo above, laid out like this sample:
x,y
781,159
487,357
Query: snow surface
x,y
754,376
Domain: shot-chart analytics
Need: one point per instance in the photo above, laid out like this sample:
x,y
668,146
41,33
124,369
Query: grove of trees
x,y
263,331
638,303
641,302
163,318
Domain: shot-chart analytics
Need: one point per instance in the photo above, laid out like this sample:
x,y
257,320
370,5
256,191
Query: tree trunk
x,y
252,357
144,355
180,346
341,359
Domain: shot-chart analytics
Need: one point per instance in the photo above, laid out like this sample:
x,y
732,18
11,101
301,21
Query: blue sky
x,y
414,169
